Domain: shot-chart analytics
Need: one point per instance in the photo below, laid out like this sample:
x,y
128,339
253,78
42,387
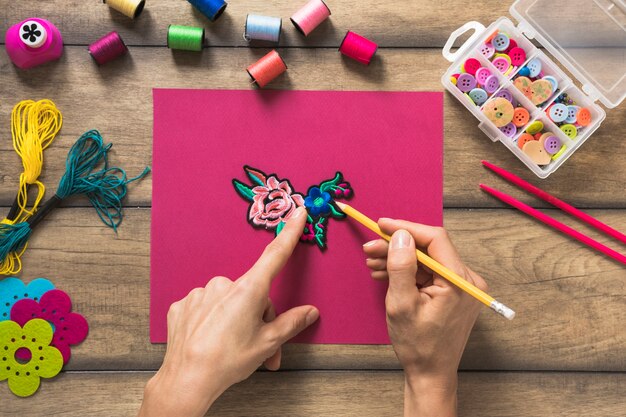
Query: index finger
x,y
277,253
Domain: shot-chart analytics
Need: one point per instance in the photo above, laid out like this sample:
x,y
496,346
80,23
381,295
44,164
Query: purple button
x,y
509,130
501,64
552,144
466,82
487,50
482,74
491,84
506,94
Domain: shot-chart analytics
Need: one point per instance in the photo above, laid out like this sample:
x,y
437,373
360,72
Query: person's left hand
x,y
220,334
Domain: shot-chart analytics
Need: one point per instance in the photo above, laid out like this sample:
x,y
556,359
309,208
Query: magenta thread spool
x,y
107,48
33,42
358,48
310,16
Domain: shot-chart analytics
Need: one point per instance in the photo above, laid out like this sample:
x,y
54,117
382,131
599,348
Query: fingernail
x,y
401,239
312,316
370,243
298,212
385,219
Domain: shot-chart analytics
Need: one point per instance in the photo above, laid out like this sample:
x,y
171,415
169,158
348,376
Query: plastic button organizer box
x,y
521,96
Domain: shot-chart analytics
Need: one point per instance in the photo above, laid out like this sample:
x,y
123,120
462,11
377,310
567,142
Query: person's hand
x,y
220,334
428,318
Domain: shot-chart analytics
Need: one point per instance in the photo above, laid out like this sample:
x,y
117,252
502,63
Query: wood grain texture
x,y
420,23
357,393
570,301
116,99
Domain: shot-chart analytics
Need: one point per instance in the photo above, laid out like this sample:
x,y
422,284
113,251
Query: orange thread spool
x,y
267,68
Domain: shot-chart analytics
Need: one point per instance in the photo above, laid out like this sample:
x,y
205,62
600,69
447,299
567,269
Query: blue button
x,y
478,96
553,81
534,66
558,112
572,111
501,42
524,72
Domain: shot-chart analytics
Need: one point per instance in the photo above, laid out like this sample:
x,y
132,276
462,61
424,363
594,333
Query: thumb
x,y
402,265
290,323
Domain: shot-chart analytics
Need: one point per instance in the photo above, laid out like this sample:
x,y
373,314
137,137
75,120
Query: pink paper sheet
x,y
387,144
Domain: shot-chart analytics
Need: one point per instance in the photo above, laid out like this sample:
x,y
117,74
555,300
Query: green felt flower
x,y
46,361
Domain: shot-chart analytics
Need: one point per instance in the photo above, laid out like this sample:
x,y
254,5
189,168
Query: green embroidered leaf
x,y
336,213
256,176
329,184
280,227
243,190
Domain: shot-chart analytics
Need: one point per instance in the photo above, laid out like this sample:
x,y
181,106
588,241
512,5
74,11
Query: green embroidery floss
x,y
186,38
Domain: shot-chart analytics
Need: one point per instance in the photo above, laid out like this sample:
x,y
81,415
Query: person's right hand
x,y
428,318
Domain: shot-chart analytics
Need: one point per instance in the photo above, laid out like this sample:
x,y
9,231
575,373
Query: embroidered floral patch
x,y
273,201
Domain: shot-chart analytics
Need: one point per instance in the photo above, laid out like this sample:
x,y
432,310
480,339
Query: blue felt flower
x,y
317,202
13,289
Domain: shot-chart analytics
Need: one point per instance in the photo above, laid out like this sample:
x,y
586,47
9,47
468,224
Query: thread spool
x,y
33,42
262,28
267,68
310,16
107,48
358,48
186,38
212,9
130,8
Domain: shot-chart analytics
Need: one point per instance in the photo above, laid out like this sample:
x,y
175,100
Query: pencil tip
x,y
340,205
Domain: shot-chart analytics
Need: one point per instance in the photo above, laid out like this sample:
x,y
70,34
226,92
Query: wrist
x,y
430,396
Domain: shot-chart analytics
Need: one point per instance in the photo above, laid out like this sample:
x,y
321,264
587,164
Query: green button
x,y
535,127
569,130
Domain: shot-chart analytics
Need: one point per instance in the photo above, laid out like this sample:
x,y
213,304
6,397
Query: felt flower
x,y
46,361
317,202
273,202
55,307
13,289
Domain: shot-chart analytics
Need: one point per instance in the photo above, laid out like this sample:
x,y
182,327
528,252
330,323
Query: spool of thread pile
x,y
130,8
33,42
310,16
358,48
212,9
262,28
107,48
186,38
267,68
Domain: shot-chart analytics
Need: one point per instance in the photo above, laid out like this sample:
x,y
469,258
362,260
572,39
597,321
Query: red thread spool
x,y
107,48
267,68
358,48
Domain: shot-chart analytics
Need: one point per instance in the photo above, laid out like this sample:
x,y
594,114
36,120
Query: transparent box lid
x,y
587,36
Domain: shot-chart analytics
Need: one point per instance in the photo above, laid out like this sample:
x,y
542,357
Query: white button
x,y
33,34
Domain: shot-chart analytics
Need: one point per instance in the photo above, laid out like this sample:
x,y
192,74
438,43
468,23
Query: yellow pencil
x,y
434,266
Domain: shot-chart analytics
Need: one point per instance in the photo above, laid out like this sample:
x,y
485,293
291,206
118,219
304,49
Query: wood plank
x,y
570,301
354,393
417,23
117,100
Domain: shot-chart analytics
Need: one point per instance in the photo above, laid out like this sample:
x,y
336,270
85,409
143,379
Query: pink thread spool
x,y
310,16
358,48
33,42
107,48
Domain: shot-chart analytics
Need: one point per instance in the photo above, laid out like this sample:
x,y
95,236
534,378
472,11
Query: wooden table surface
x,y
565,353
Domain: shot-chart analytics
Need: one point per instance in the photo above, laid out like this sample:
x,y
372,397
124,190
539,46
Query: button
x,y
570,131
518,56
524,137
553,81
509,130
559,153
540,91
524,72
572,111
537,153
499,111
537,136
505,94
478,96
535,127
544,136
487,50
512,44
453,80
558,112
551,144
501,63
33,34
466,82
534,66
471,65
491,84
482,74
493,35
520,116
583,117
501,42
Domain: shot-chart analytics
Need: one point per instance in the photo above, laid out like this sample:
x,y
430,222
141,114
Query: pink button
x,y
471,66
501,64
491,84
512,44
482,74
518,56
487,50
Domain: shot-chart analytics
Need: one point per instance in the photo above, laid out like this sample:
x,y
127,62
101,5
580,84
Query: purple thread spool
x,y
33,42
107,48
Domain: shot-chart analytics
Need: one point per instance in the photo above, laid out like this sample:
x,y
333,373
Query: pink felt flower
x,y
55,307
273,202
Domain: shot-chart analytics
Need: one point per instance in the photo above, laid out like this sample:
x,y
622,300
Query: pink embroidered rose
x,y
273,202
